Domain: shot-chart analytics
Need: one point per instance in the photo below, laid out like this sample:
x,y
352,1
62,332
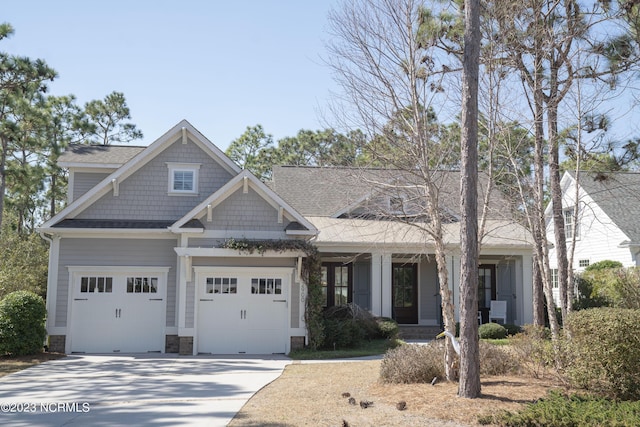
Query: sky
x,y
221,65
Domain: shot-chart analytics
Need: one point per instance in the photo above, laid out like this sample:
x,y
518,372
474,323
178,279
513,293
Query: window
x,y
554,278
337,287
570,228
266,286
183,178
583,263
221,285
142,285
96,284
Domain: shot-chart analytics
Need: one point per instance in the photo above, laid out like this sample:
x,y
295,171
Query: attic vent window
x,y
183,178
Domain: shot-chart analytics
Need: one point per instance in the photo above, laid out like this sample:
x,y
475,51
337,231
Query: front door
x,y
405,293
486,289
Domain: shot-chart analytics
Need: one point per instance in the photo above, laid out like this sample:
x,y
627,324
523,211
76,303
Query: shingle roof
x,y
98,154
618,195
325,191
372,233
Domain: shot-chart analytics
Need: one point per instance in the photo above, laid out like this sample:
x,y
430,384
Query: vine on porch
x,y
311,274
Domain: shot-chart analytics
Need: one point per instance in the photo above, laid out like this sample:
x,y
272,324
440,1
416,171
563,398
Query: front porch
x,y
405,287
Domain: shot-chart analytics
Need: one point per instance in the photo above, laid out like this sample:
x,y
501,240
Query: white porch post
x,y
387,301
524,289
182,289
376,284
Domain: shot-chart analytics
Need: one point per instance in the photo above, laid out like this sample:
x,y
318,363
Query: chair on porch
x,y
479,317
498,311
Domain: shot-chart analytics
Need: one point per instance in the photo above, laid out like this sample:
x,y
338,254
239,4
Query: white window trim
x,y
183,167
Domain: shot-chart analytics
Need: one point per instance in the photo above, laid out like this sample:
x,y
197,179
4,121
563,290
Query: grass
x,y
368,348
11,364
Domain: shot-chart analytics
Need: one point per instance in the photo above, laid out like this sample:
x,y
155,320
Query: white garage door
x,y
243,311
118,312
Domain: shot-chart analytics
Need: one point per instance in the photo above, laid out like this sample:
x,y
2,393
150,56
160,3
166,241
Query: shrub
x,y
387,328
347,325
512,329
603,351
22,316
412,363
341,333
494,360
492,331
533,349
558,410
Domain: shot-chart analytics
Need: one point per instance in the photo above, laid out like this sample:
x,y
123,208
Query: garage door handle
x,y
279,300
81,299
205,299
155,299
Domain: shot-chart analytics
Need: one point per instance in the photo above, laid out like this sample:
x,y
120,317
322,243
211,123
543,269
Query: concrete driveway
x,y
140,390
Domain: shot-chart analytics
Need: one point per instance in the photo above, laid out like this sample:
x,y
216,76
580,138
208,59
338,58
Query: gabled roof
x,y
98,156
303,226
618,195
332,191
183,130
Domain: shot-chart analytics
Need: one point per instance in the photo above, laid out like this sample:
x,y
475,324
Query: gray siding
x,y
429,299
85,181
115,252
245,212
244,262
144,195
198,242
295,304
362,284
190,310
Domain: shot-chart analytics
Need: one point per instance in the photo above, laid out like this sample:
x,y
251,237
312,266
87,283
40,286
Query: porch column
x,y
453,268
524,289
387,300
376,284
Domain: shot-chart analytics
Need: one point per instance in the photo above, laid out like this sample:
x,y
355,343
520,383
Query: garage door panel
x,y
253,313
117,313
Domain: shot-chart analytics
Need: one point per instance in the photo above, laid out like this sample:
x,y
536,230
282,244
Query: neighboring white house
x,y
607,226
136,263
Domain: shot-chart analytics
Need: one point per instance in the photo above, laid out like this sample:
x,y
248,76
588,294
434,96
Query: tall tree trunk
x,y
3,177
538,293
469,386
556,206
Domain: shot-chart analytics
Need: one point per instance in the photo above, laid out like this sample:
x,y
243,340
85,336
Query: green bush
x,y
492,331
603,351
387,328
341,333
22,316
512,329
558,410
347,325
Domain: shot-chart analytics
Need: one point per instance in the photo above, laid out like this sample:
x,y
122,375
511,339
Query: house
x,y
137,264
607,226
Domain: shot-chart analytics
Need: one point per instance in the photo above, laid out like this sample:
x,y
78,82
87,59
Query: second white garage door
x,y
243,310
